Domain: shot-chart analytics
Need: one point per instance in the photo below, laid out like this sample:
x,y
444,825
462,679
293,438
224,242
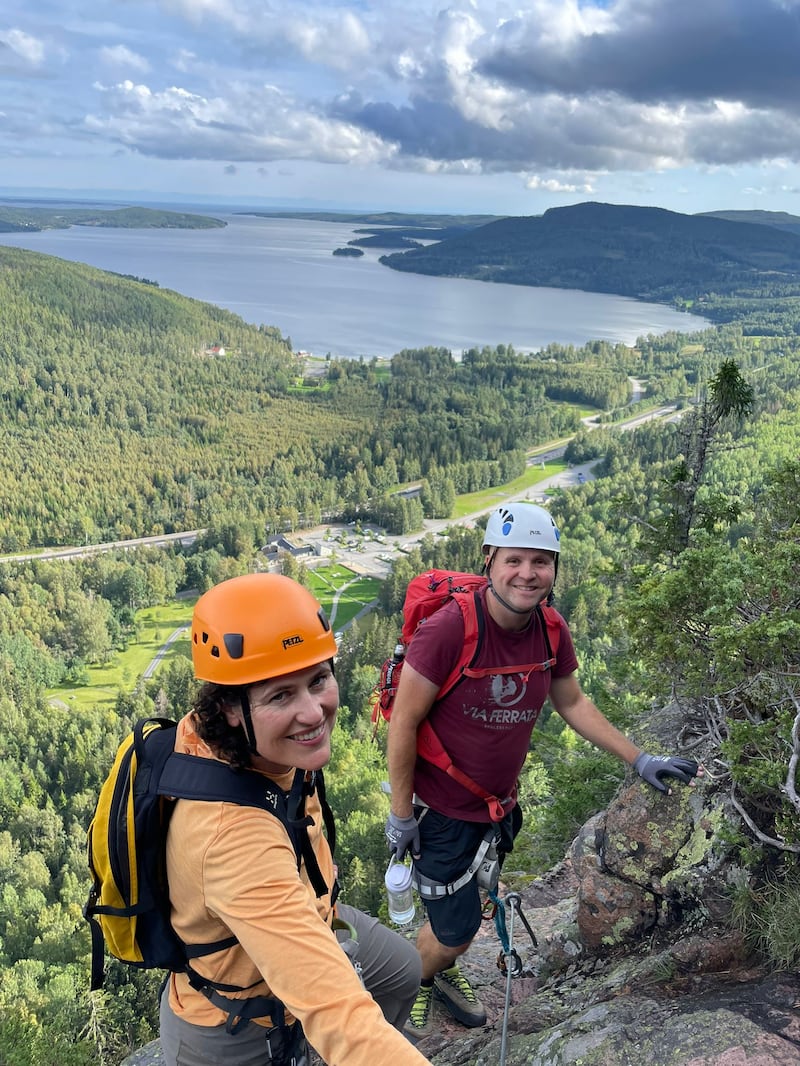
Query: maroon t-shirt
x,y
485,724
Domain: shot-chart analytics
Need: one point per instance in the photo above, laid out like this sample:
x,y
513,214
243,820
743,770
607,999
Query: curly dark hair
x,y
208,714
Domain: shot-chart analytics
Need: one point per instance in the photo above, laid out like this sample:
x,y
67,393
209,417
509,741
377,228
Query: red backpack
x,y
425,594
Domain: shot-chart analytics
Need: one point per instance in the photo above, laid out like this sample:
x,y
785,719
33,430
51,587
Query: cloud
x,y
17,45
185,61
321,34
120,56
648,51
337,39
559,92
199,10
245,126
555,185
635,85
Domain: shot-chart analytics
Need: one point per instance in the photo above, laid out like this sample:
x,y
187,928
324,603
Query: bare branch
x,y
790,788
751,825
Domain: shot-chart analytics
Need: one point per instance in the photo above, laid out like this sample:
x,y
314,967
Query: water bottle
x,y
399,892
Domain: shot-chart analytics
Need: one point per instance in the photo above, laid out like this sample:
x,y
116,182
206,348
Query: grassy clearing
x,y
488,498
354,593
154,626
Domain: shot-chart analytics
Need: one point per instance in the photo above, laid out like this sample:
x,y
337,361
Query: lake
x,y
280,272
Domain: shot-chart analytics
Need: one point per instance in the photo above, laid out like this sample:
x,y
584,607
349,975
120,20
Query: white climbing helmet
x,y
522,525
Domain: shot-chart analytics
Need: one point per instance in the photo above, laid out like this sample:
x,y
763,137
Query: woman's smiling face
x,y
293,716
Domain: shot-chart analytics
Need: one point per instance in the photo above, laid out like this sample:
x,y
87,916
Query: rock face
x,y
752,1022
633,963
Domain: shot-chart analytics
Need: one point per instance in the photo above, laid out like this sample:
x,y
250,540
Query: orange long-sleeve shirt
x,y
233,869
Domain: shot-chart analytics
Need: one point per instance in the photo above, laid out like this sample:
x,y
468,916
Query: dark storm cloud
x,y
684,50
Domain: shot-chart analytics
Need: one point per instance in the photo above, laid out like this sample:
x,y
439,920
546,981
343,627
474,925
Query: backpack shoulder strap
x,y
195,778
552,628
474,625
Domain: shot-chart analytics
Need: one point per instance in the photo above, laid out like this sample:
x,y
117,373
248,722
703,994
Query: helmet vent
x,y
234,644
324,619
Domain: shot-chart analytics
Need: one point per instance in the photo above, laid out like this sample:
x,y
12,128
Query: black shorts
x,y
448,847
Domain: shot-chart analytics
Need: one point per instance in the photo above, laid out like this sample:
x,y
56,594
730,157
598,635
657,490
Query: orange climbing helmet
x,y
250,628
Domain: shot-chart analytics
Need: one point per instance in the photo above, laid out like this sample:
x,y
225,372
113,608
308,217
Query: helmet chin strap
x,y
487,566
507,605
247,722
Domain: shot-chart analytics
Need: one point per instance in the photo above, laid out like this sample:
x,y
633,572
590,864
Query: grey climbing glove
x,y
402,835
653,768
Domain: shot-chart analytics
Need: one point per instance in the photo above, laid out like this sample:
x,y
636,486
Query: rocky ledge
x,y
632,961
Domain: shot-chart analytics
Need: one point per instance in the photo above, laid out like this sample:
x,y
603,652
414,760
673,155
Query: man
x,y
485,723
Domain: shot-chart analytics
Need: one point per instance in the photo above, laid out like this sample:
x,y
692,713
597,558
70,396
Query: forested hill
x,y
779,219
27,219
645,252
121,402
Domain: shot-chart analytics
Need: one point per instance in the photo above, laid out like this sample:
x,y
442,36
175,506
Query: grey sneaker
x,y
457,994
420,1019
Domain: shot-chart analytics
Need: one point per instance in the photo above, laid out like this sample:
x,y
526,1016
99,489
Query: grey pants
x,y
390,969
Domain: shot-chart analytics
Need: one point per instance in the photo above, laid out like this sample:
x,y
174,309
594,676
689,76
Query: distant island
x,y
383,218
354,253
391,238
390,229
35,219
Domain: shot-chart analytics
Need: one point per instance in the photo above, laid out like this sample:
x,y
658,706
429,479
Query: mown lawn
x,y
488,498
355,593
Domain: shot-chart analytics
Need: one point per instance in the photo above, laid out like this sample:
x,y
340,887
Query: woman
x,y
263,647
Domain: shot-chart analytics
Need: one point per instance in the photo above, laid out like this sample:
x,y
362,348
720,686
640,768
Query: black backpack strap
x,y
299,822
195,778
327,813
98,942
192,777
239,1011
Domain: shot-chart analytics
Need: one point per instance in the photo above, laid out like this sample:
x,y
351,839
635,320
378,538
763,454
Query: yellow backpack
x,y
128,906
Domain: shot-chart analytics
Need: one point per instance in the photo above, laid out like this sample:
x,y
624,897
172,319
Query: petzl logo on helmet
x,y
290,642
508,522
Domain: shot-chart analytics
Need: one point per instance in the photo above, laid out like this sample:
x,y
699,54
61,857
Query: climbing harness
x,y
484,867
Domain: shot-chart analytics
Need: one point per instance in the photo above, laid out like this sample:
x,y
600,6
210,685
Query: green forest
x,y
28,219
120,417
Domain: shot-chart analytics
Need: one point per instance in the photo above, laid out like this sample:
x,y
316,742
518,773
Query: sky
x,y
404,105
